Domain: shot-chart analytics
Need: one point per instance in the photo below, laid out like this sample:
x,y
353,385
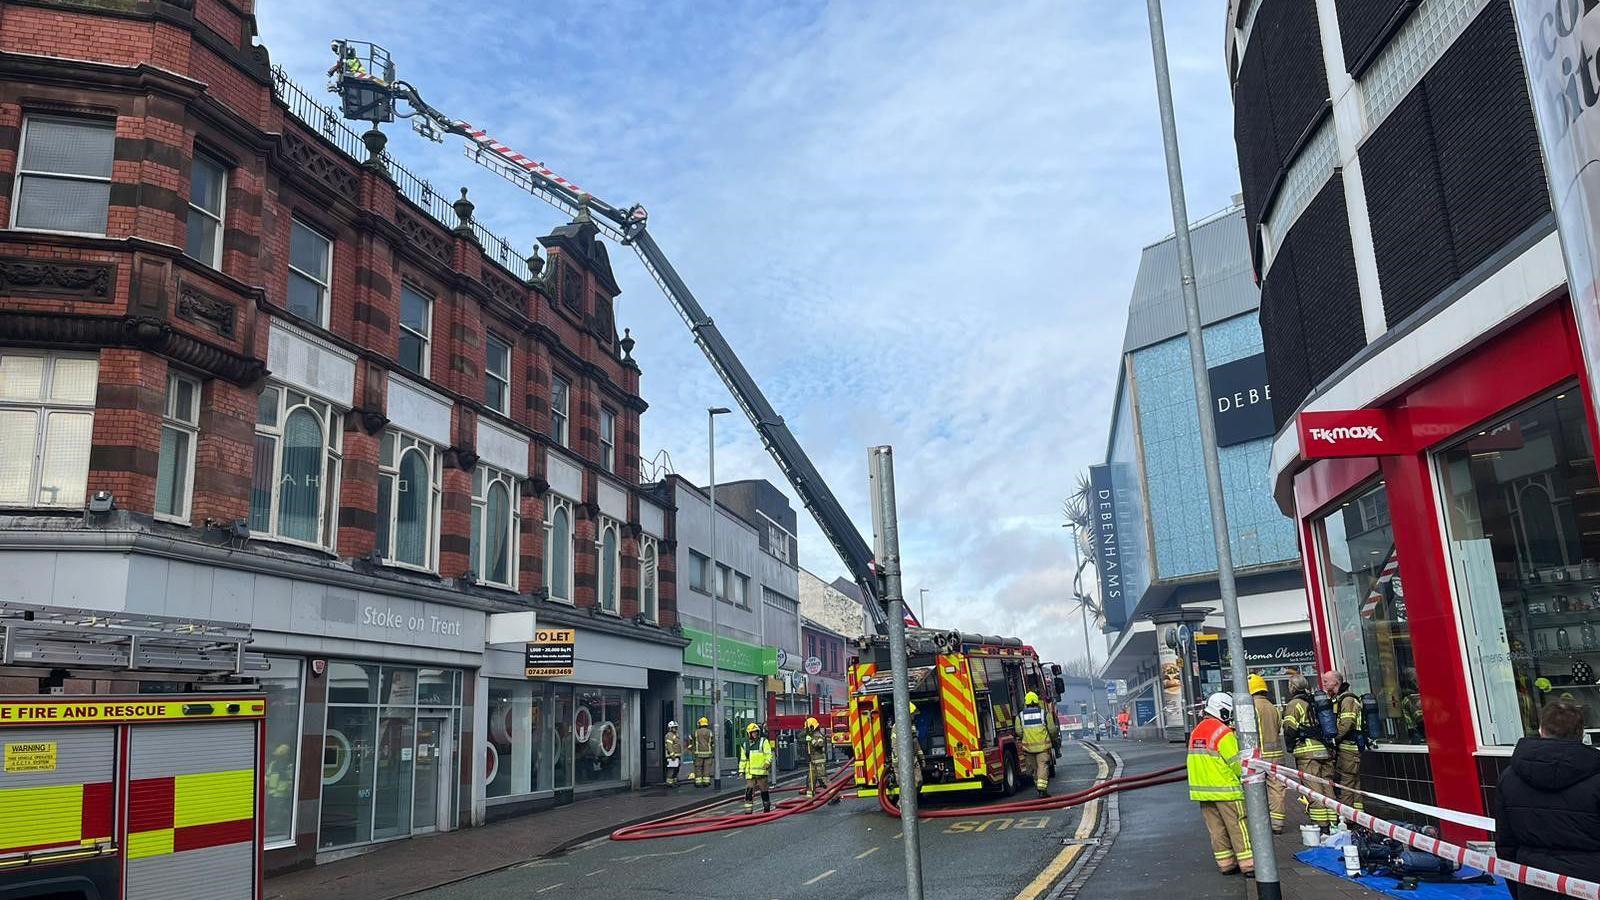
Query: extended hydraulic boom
x,y
363,76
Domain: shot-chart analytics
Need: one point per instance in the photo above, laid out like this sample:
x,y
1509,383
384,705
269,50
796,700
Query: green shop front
x,y
744,670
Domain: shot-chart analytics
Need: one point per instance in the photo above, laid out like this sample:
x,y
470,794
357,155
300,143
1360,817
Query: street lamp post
x,y
716,629
1244,710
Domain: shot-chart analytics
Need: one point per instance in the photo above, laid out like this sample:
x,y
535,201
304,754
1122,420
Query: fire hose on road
x,y
691,822
1171,775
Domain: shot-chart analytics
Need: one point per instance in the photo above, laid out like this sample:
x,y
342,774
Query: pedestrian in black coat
x,y
1548,812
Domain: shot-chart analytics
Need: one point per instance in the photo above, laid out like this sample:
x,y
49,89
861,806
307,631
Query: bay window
x,y
179,430
46,426
1366,605
609,546
496,522
295,484
408,501
208,186
558,547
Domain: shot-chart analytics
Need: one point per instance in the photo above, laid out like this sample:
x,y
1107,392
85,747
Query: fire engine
x,y
139,796
968,690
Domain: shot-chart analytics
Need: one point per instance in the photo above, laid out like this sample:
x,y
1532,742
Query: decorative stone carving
x,y
215,314
421,236
503,291
330,172
28,277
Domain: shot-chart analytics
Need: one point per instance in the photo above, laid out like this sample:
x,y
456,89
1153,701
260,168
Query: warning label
x,y
35,756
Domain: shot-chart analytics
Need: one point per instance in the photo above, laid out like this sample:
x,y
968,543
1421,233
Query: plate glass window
x,y
46,423
496,522
310,271
1523,518
560,396
180,425
281,685
295,483
600,735
408,501
497,376
608,440
1367,611
208,186
416,318
558,548
64,175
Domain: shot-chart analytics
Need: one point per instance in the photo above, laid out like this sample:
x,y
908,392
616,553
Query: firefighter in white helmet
x,y
1036,746
1215,782
672,748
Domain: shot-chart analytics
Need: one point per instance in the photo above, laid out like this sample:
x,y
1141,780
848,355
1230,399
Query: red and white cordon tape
x,y
481,138
1461,856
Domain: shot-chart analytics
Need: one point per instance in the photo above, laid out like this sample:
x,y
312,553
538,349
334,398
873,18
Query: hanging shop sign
x,y
1105,531
1558,37
731,655
1241,400
1354,432
551,654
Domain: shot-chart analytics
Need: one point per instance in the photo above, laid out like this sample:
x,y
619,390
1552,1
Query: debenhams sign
x,y
1559,43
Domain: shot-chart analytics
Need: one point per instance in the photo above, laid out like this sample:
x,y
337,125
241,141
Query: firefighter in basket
x,y
816,757
705,747
755,764
1036,748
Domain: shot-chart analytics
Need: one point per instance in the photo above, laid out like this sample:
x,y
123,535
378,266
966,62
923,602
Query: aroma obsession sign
x,y
1356,432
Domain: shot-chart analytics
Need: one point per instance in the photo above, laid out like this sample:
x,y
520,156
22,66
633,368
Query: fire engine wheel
x,y
1008,783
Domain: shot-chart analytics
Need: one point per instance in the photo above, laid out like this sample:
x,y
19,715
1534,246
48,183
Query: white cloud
x,y
918,225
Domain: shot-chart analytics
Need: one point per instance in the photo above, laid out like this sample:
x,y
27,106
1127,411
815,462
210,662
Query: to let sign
x,y
551,653
1356,432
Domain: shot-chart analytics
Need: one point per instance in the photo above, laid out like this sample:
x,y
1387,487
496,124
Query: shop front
x,y
1454,562
555,734
744,667
1275,657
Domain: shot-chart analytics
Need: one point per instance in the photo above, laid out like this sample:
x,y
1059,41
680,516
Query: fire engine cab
x,y
153,792
968,690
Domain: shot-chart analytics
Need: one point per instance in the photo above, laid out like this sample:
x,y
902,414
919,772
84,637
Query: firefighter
x,y
916,752
348,63
672,747
1215,782
1035,743
705,746
1123,718
817,756
755,764
1302,736
1269,739
1347,756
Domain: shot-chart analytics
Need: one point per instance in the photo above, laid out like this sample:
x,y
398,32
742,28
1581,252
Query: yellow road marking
x,y
866,853
1069,855
819,877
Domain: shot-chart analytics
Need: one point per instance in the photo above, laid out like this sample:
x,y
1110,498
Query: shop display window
x,y
518,758
600,736
282,687
1522,511
1366,606
738,710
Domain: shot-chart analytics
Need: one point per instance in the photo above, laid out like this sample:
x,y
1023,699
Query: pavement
x,y
851,850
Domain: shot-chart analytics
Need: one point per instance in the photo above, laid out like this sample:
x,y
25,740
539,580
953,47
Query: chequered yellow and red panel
x,y
864,733
190,812
960,715
49,817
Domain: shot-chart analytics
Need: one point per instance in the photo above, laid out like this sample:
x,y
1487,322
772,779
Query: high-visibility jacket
x,y
672,747
1214,762
1035,733
755,759
1270,727
817,746
704,744
1351,721
1302,719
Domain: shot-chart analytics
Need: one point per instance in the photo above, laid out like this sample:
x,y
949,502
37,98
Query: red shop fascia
x,y
1392,445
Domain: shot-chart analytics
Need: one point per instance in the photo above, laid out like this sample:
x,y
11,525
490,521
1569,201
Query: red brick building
x,y
317,404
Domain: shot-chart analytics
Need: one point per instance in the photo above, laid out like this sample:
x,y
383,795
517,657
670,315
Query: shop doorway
x,y
432,806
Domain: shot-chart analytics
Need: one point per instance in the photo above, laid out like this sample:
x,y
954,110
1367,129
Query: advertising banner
x,y
1105,535
1558,40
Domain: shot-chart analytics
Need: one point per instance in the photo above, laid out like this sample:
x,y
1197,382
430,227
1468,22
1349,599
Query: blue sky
x,y
917,225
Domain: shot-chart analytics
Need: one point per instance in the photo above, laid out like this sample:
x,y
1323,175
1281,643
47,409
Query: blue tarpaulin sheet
x,y
1331,860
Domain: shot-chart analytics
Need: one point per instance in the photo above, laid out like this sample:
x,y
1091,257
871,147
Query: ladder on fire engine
x,y
56,637
363,76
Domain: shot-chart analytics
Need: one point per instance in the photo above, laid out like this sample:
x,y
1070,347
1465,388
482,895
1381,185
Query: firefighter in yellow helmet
x,y
916,752
704,748
755,764
1216,773
1270,740
816,756
1036,748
